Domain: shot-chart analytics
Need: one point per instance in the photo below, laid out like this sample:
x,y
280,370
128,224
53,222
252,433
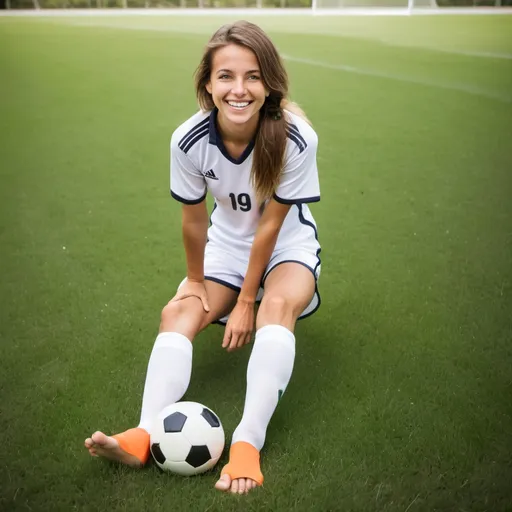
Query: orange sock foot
x,y
244,462
135,441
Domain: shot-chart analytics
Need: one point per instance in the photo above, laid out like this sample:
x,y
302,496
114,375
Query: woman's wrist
x,y
195,278
245,299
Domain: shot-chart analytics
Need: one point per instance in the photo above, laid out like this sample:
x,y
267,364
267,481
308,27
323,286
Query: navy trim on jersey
x,y
211,214
293,134
307,222
188,201
303,220
216,140
193,135
313,199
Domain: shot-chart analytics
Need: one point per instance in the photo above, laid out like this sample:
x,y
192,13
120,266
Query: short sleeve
x,y
299,180
187,184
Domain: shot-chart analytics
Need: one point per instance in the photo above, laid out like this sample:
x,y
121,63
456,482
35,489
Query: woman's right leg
x,y
168,373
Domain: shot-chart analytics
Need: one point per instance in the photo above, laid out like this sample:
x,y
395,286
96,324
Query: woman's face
x,y
236,87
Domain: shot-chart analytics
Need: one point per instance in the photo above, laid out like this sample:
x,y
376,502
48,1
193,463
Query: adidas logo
x,y
210,174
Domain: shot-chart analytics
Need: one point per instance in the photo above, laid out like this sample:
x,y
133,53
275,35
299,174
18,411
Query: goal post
x,y
333,7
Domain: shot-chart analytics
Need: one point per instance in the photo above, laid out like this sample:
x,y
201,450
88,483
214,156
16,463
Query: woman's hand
x,y
240,326
191,288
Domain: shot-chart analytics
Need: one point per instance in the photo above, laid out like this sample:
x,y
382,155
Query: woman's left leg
x,y
289,289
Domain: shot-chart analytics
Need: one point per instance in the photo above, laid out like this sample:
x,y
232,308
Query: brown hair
x,y
270,143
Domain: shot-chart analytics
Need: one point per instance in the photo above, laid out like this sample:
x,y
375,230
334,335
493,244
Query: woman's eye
x,y
223,77
254,77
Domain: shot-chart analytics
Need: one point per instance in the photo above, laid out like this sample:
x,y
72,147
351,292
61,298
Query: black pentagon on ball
x,y
157,453
210,417
198,456
174,422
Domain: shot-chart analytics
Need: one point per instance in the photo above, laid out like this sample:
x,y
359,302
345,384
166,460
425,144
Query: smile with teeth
x,y
238,104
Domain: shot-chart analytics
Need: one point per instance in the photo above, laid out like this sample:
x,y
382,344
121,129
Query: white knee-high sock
x,y
168,375
268,373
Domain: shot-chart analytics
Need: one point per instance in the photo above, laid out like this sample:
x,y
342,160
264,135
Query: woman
x,y
256,153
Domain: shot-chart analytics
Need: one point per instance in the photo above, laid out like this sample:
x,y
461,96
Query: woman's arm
x,y
194,224
241,320
262,248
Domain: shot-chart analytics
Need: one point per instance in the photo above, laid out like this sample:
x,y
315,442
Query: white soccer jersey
x,y
200,163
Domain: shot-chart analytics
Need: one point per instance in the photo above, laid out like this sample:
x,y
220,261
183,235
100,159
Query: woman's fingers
x,y
204,300
202,297
243,339
227,336
234,340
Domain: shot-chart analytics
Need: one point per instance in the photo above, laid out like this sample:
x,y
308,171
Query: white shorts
x,y
226,268
229,270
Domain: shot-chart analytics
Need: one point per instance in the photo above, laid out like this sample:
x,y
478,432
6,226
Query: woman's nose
x,y
239,87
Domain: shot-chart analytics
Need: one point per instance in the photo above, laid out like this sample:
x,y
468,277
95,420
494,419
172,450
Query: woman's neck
x,y
239,134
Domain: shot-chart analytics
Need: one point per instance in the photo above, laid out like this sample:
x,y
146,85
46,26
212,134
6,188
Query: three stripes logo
x,y
196,134
210,174
293,133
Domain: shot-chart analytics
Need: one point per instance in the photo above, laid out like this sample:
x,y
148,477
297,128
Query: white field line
x,y
396,44
468,53
467,88
460,87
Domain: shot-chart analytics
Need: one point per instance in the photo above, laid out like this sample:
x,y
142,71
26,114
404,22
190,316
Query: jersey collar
x,y
216,140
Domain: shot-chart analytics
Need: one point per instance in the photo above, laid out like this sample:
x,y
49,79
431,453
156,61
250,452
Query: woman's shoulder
x,y
198,124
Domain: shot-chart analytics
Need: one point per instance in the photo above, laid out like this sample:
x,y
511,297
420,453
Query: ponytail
x,y
270,145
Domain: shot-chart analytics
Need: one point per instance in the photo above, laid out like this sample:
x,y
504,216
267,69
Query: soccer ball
x,y
187,438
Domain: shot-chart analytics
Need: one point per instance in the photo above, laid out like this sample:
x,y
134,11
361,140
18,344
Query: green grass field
x,y
401,394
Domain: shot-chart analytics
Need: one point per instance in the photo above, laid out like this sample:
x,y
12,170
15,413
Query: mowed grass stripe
x,y
399,396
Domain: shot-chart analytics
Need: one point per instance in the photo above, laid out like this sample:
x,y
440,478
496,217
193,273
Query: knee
x,y
275,308
184,316
180,316
171,311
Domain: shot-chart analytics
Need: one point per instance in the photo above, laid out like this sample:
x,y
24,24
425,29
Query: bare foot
x,y
101,445
236,486
244,463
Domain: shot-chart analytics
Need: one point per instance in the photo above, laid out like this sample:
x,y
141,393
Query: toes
x,y
236,486
99,438
224,483
88,442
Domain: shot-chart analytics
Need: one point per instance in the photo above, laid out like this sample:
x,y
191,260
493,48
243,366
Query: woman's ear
x,y
209,87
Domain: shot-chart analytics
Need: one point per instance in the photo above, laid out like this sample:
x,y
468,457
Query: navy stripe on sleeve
x,y
188,201
198,136
191,133
294,135
313,199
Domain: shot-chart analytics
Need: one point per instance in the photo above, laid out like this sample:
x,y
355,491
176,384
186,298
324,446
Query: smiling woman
x,y
255,152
